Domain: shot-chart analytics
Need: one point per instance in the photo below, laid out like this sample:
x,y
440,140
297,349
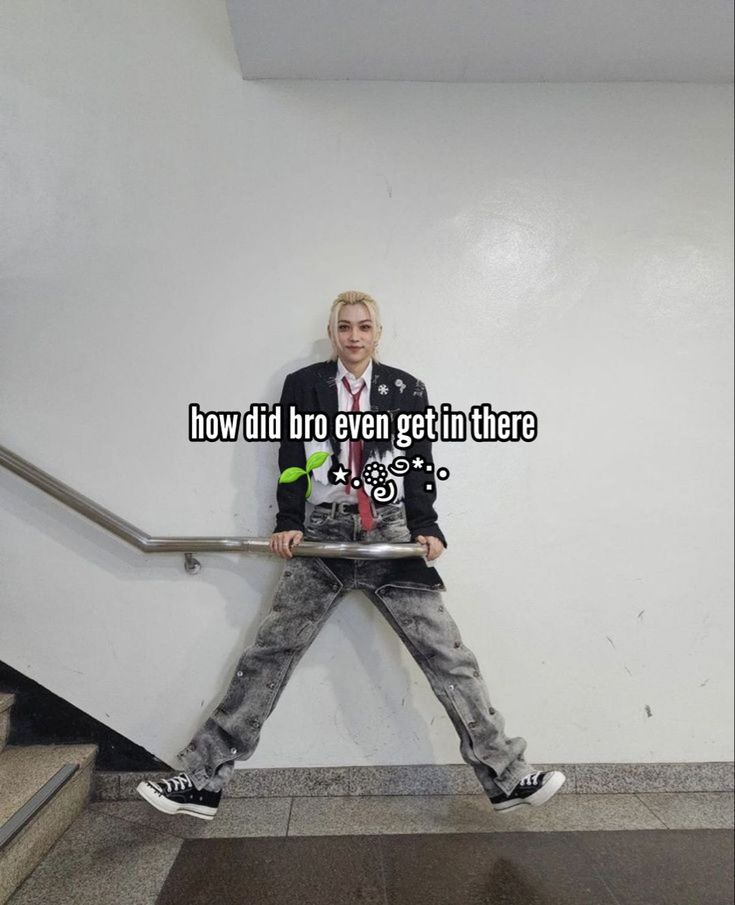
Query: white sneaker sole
x,y
552,785
170,807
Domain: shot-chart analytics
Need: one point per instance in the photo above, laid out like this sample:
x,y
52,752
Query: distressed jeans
x,y
306,595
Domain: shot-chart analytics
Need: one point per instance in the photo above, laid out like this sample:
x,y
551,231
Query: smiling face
x,y
354,337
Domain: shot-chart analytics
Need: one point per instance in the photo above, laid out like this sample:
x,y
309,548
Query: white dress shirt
x,y
321,490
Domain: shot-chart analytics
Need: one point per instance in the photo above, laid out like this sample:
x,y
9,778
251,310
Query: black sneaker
x,y
179,795
534,789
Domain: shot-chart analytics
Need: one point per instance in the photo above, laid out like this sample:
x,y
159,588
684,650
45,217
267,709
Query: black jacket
x,y
314,389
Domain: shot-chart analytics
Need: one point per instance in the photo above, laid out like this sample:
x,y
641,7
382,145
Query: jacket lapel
x,y
326,394
326,387
383,398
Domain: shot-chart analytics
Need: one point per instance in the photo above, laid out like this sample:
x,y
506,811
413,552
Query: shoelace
x,y
175,784
531,779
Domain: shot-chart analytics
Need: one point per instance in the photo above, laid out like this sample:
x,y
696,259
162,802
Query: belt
x,y
349,507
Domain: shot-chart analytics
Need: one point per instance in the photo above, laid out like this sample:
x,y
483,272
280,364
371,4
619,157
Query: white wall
x,y
171,234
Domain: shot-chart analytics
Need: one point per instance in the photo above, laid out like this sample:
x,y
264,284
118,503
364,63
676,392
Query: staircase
x,y
42,790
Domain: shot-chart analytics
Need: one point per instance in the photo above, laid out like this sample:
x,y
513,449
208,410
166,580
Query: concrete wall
x,y
172,234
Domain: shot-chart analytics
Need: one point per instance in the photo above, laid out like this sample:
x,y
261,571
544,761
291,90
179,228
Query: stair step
x,y
24,770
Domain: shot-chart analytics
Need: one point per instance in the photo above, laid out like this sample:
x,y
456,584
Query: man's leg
x,y
421,620
306,595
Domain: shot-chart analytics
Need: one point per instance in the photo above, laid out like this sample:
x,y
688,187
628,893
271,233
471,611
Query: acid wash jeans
x,y
306,595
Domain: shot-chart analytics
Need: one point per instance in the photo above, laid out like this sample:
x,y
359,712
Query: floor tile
x,y
664,867
317,871
235,817
374,815
419,779
464,814
691,810
658,777
497,869
106,786
101,861
284,782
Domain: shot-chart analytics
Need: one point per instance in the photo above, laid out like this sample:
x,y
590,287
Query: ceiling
x,y
490,41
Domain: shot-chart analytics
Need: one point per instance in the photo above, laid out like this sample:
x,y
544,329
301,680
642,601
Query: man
x,y
406,591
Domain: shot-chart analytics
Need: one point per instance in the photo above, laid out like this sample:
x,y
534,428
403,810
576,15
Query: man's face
x,y
356,337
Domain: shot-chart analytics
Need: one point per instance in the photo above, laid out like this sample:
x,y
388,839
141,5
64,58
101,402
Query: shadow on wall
x,y
42,718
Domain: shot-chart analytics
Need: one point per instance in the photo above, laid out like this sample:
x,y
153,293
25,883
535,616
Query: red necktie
x,y
363,500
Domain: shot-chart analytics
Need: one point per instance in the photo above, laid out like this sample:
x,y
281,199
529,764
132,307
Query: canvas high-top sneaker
x,y
179,795
534,789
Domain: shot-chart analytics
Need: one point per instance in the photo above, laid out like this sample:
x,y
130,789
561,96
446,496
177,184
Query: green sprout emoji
x,y
289,475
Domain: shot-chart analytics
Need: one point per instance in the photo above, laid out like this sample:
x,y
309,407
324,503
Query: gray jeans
x,y
307,593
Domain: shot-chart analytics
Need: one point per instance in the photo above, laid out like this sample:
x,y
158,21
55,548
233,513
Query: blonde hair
x,y
354,297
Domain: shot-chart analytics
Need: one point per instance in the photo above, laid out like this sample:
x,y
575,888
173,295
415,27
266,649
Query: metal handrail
x,y
147,544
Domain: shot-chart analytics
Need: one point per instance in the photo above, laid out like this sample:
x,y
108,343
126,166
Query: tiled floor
x,y
624,849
